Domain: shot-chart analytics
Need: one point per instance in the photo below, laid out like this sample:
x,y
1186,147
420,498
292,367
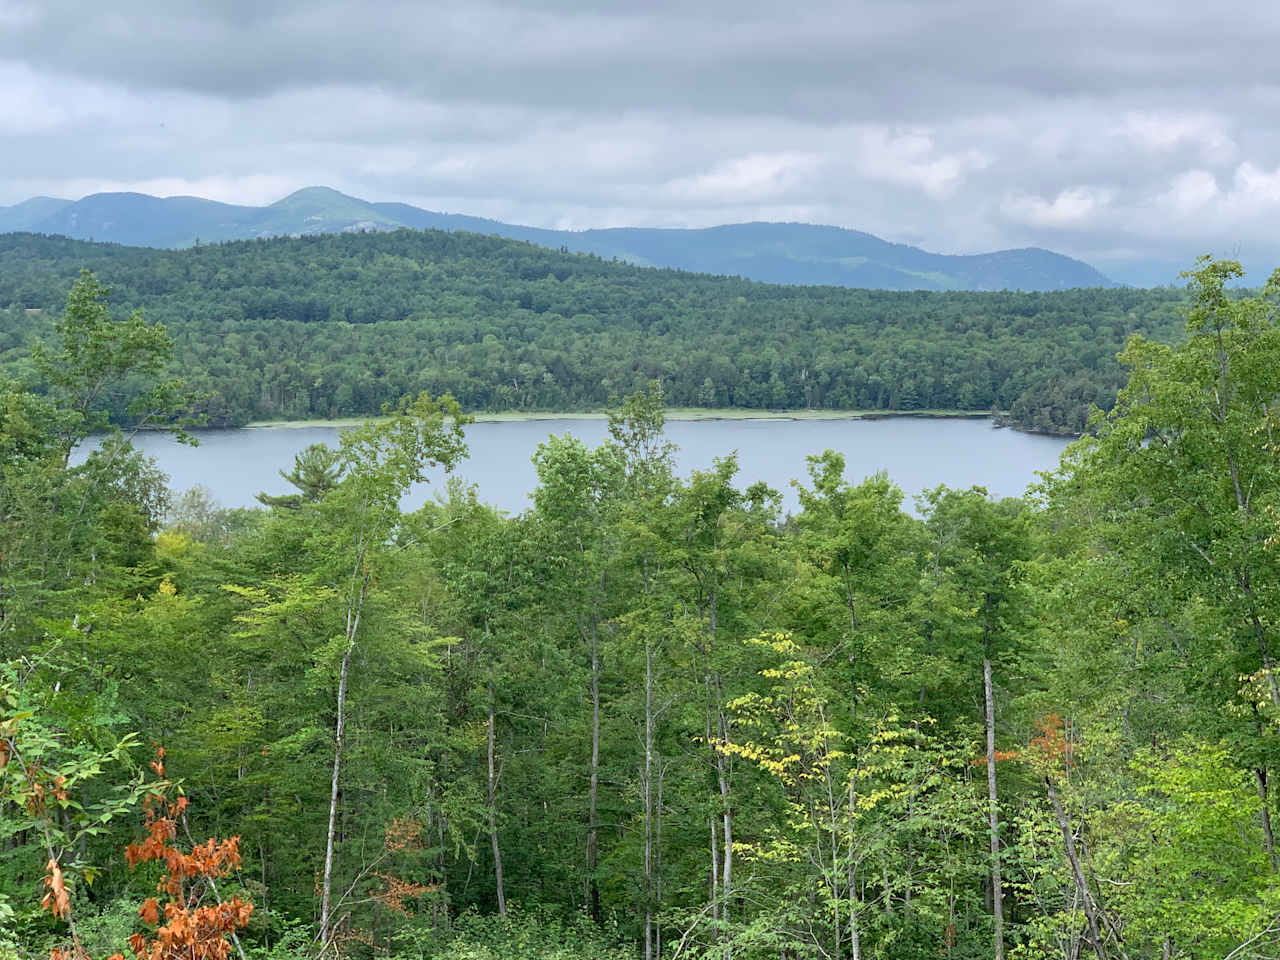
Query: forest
x,y
334,326
649,716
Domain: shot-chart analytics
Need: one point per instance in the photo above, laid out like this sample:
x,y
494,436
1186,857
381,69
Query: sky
x,y
1123,133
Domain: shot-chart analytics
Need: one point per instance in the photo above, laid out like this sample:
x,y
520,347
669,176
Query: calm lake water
x,y
916,452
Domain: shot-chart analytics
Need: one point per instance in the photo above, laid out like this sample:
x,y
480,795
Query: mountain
x,y
795,253
139,220
29,213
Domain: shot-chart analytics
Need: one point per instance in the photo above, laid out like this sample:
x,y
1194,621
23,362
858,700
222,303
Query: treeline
x,y
334,326
649,716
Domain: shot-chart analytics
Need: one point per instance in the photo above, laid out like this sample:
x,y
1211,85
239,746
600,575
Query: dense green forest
x,y
648,717
335,326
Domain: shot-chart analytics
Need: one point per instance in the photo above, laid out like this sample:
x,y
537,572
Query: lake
x,y
915,452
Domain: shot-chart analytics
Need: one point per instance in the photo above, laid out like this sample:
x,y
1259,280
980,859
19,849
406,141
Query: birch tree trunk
x,y
326,894
493,815
993,815
1069,844
593,826
355,609
648,800
715,872
855,940
657,864
726,874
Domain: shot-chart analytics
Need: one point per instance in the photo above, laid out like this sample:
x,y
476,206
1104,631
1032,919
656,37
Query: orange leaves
x,y
185,927
157,765
999,755
397,891
402,834
40,790
58,899
1050,749
191,930
191,934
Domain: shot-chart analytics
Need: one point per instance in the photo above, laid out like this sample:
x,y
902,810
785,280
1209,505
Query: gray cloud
x,y
1135,131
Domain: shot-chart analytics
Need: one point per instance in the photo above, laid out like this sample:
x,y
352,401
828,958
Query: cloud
x,y
1169,131
1190,193
1088,127
1071,207
759,176
911,159
1256,189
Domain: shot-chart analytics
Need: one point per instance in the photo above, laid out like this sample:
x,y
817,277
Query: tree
x,y
63,527
348,539
316,471
1177,491
95,354
978,545
48,759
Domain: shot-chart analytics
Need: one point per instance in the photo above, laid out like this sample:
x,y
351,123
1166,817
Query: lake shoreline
x,y
688,414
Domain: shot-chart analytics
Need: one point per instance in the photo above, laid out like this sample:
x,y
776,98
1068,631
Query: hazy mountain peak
x,y
315,194
796,253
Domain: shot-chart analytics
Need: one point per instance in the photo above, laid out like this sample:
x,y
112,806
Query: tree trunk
x,y
355,610
592,825
726,876
657,866
715,872
493,815
648,800
993,815
855,940
1069,843
1268,838
339,731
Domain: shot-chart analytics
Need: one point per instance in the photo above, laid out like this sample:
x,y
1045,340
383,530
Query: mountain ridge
x,y
789,252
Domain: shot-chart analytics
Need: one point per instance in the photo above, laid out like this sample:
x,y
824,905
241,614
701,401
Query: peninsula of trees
x,y
335,326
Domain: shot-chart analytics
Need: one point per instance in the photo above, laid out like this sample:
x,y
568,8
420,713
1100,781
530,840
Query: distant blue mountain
x,y
772,252
30,213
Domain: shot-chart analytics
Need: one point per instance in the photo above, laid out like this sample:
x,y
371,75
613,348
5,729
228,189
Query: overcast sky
x,y
1113,130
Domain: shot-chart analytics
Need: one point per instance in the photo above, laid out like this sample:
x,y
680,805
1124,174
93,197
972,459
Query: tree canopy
x,y
335,326
649,716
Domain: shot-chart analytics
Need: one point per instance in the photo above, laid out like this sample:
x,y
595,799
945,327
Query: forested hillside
x,y
647,717
333,326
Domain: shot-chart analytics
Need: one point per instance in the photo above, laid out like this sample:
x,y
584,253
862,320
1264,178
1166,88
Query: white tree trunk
x,y
592,824
355,609
993,815
339,730
493,815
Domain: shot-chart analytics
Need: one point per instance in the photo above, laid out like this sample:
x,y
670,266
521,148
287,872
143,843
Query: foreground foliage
x,y
650,716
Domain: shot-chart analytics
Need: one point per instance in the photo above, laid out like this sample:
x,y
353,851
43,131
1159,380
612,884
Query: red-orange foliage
x,y
397,891
192,930
1050,748
57,900
401,834
1000,757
